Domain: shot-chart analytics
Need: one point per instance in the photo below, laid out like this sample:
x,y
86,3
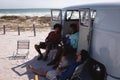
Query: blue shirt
x,y
68,73
74,38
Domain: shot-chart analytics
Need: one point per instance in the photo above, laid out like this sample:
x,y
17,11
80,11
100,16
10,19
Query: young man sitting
x,y
51,41
70,45
58,74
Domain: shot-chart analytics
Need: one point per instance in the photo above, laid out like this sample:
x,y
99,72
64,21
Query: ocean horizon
x,y
25,12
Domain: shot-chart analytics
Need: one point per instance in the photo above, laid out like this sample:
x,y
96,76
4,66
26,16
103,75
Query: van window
x,y
56,15
93,14
85,16
63,14
72,15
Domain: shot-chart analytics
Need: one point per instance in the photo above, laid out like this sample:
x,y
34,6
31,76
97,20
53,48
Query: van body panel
x,y
103,40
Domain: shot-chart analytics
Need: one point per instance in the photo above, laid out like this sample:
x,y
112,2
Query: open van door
x,y
84,29
56,16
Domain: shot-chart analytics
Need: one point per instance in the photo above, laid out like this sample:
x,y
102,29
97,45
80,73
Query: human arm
x,y
50,36
47,38
63,65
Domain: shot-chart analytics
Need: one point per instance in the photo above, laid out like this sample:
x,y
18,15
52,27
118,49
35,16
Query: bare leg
x,y
37,48
57,57
59,52
36,72
47,51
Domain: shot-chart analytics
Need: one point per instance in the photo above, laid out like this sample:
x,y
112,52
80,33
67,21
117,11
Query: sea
x,y
25,12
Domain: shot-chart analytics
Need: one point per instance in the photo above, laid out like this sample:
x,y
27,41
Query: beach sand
x,y
11,69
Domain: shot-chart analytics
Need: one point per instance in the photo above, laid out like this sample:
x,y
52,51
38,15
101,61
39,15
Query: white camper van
x,y
99,32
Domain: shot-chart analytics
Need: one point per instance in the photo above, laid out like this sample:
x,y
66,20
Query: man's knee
x,y
37,46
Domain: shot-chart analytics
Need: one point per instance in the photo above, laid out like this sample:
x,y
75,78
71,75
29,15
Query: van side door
x,y
56,16
84,29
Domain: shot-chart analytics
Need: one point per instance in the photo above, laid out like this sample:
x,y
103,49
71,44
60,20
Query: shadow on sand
x,y
21,69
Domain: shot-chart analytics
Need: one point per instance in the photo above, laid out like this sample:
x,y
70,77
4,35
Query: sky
x,y
8,4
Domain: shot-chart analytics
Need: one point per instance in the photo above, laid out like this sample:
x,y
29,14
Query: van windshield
x,y
72,15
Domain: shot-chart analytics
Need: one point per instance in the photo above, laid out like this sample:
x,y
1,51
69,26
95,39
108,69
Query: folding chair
x,y
22,50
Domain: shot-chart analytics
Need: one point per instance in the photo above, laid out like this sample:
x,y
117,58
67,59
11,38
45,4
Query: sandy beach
x,y
17,69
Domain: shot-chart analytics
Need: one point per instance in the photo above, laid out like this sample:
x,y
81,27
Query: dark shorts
x,y
42,45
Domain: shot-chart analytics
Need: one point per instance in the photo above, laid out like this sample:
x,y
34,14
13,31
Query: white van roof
x,y
94,6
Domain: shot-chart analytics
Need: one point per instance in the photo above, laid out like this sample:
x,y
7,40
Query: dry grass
x,y
12,22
